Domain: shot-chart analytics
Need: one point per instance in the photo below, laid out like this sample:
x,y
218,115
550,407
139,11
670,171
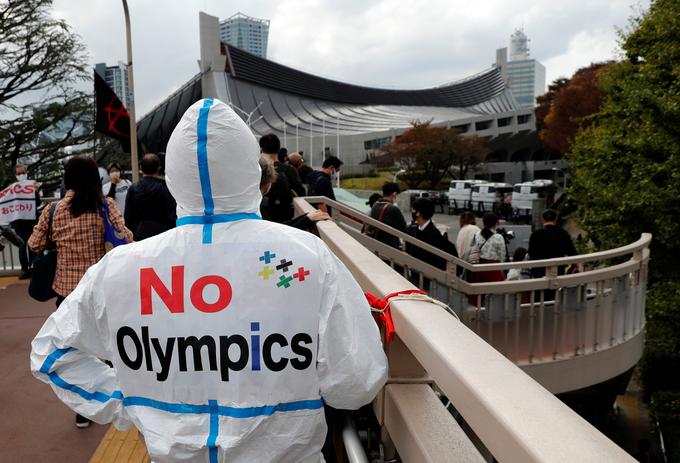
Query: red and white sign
x,y
17,202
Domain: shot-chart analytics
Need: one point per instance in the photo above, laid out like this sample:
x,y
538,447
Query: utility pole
x,y
131,106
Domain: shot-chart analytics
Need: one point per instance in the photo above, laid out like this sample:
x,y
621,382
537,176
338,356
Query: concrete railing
x,y
593,319
510,415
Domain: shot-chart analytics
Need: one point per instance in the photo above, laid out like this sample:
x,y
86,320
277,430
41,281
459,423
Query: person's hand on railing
x,y
318,215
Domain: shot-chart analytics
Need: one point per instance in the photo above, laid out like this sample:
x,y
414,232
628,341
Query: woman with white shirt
x,y
468,229
492,249
118,187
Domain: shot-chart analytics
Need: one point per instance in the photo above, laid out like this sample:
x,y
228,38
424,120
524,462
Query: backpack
x,y
473,256
373,232
279,200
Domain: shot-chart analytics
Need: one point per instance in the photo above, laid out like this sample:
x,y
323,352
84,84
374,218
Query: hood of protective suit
x,y
212,162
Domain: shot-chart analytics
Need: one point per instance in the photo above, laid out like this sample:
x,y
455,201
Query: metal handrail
x,y
637,246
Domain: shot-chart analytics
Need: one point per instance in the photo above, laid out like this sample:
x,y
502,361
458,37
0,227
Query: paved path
x,y
35,425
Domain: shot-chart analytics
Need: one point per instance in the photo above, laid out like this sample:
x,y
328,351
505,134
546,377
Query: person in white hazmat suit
x,y
228,333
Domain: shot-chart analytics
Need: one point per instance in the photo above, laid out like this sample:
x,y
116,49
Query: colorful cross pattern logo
x,y
282,271
284,281
284,265
266,272
267,258
301,274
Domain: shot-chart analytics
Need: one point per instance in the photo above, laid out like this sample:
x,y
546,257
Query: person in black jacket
x,y
424,229
386,212
296,160
278,202
150,209
321,181
302,222
549,242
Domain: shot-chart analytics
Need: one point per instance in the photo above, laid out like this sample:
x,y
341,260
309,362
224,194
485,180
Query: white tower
x,y
519,46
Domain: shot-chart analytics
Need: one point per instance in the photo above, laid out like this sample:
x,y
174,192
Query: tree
x,y
545,101
430,153
626,169
472,152
43,62
565,108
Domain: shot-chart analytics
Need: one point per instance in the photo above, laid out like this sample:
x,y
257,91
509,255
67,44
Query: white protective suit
x,y
228,333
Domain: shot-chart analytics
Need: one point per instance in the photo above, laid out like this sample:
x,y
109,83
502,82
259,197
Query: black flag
x,y
112,117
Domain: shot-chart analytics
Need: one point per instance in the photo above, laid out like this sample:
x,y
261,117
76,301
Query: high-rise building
x,y
247,33
525,76
116,77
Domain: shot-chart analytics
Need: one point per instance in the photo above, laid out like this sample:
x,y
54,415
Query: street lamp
x,y
398,173
131,102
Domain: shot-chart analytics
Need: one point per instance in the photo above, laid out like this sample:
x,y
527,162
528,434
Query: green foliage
x,y
666,408
626,174
662,348
626,165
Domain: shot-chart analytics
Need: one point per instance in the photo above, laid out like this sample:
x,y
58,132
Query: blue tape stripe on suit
x,y
53,357
136,401
202,151
214,430
219,218
203,171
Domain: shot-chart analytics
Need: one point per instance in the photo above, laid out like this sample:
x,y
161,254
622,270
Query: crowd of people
x,y
215,193
473,244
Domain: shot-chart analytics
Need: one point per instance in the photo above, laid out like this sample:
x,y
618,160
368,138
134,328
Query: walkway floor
x,y
35,425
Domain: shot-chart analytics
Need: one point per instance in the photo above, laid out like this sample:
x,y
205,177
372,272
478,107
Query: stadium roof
x,y
281,99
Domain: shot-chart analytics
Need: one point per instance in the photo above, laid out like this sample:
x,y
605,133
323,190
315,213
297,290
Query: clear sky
x,y
383,43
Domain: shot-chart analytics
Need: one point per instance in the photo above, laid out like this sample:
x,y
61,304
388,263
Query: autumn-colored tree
x,y
430,153
570,103
545,101
472,152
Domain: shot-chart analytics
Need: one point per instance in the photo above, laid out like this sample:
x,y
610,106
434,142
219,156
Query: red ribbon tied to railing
x,y
382,306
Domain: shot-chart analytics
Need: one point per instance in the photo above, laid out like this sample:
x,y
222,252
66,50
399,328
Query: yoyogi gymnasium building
x,y
324,117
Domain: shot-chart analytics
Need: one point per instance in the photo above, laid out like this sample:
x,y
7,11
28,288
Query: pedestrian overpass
x,y
501,360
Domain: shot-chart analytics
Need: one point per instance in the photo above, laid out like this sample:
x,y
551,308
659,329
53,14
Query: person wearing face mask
x,y
24,227
321,181
118,187
385,211
424,229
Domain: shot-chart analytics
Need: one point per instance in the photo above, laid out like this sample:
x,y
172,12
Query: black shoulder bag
x,y
44,268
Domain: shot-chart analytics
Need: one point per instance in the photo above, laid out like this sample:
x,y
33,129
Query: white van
x,y
488,197
523,195
460,195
